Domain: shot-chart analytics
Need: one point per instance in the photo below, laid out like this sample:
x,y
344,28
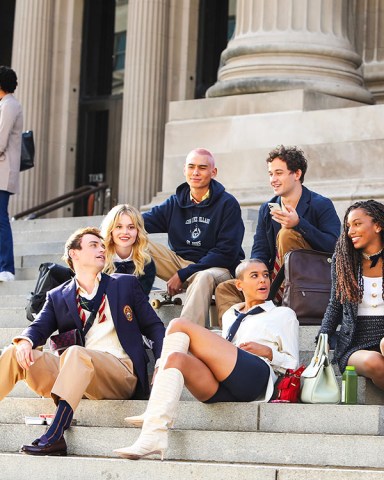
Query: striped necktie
x,y
81,308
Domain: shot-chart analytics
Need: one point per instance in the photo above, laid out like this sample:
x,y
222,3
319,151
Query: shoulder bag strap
x,y
276,284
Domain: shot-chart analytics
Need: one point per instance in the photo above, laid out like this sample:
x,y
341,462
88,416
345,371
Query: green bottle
x,y
349,386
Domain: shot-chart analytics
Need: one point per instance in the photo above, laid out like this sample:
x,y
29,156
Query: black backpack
x,y
51,275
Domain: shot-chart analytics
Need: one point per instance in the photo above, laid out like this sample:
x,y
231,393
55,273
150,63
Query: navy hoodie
x,y
209,233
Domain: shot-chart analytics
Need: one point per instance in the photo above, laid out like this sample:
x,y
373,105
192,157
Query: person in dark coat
x,y
112,364
294,218
205,231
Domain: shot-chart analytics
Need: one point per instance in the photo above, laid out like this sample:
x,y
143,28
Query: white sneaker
x,y
7,277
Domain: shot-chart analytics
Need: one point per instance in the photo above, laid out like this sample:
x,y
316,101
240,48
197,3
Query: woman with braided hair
x,y
357,296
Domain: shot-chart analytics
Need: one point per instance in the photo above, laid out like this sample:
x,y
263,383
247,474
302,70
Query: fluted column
x,y
290,44
143,101
31,57
370,40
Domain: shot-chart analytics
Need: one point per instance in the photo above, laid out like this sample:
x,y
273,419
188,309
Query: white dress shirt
x,y
277,328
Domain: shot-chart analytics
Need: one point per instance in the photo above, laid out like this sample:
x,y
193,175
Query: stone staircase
x,y
231,441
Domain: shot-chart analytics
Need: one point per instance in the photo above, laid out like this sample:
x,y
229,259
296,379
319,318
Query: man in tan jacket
x,y
11,125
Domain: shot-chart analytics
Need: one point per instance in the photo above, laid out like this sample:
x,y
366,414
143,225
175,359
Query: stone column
x,y
31,58
370,42
143,102
292,44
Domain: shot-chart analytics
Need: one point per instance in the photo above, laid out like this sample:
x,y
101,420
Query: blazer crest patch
x,y
128,313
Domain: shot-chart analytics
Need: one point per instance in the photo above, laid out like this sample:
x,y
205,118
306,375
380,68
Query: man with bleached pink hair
x,y
205,231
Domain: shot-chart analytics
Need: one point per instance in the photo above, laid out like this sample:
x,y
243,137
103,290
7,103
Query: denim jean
x,y
6,240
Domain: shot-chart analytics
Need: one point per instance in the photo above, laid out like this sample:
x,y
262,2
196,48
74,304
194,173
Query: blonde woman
x,y
126,245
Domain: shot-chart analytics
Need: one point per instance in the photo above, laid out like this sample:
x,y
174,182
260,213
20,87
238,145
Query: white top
x,y
116,257
277,328
372,303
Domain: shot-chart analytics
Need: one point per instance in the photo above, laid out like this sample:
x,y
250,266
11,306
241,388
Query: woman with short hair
x,y
260,341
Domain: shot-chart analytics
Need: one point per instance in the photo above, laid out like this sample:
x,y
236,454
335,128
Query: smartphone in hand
x,y
274,206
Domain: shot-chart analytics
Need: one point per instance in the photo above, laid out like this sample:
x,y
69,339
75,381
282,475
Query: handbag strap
x,y
323,348
324,344
276,284
98,299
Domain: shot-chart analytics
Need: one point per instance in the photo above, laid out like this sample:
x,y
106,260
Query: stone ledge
x,y
91,468
279,101
193,415
359,451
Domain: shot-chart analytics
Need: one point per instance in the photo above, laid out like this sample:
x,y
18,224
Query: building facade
x,y
121,90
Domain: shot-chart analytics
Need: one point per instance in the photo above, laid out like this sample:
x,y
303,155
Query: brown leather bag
x,y
307,284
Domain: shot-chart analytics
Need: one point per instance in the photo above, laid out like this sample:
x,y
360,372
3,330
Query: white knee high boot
x,y
174,342
161,409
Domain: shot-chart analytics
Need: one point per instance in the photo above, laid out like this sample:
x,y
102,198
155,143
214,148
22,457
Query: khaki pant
x,y
78,372
200,286
288,239
227,294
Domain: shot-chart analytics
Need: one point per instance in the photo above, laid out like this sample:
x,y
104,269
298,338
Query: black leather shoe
x,y
58,448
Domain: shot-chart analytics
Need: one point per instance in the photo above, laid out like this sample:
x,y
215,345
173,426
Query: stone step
x,y
17,287
8,301
21,390
34,261
363,451
56,234
6,335
50,224
13,317
85,468
48,248
26,273
239,417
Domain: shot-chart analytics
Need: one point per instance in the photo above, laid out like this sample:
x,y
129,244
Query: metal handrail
x,y
63,200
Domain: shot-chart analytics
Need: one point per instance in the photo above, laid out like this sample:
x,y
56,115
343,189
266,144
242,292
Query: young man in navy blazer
x,y
294,218
113,362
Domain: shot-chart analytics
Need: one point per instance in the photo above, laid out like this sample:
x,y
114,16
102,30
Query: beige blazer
x,y
11,126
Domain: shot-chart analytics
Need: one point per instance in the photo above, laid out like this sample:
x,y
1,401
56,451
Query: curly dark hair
x,y
292,156
348,263
8,79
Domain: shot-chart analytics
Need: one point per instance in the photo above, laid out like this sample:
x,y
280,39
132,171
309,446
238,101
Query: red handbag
x,y
289,386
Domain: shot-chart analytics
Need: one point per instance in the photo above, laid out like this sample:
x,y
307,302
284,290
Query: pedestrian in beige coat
x,y
11,125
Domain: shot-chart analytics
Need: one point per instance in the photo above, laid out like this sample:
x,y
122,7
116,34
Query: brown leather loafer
x,y
58,448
